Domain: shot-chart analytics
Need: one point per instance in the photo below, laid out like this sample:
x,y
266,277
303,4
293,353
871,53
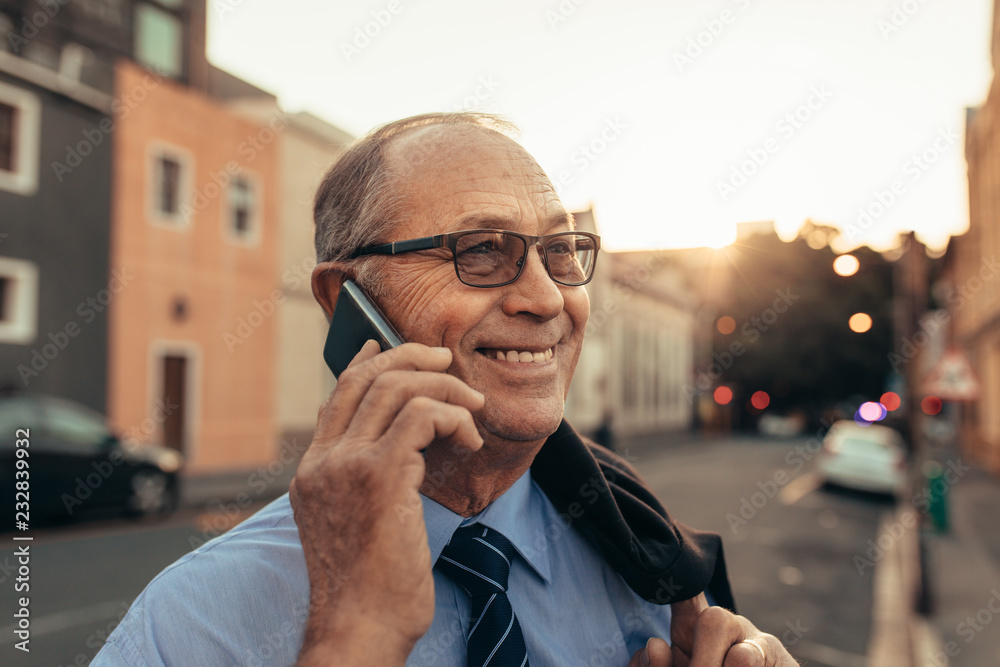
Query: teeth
x,y
524,357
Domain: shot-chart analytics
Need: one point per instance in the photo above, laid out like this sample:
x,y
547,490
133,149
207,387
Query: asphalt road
x,y
790,554
790,543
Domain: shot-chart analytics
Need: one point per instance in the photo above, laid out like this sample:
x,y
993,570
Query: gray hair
x,y
357,204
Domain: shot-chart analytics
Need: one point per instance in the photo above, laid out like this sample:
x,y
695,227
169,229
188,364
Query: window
x,y
7,119
243,210
170,186
159,39
18,300
20,112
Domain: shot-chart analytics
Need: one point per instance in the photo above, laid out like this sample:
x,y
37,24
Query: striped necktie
x,y
478,559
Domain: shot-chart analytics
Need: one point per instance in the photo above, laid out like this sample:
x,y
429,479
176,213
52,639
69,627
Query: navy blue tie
x,y
478,559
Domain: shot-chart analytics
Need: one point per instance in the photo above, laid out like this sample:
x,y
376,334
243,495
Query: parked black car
x,y
74,464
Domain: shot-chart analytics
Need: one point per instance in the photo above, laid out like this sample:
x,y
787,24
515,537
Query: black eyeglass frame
x,y
450,240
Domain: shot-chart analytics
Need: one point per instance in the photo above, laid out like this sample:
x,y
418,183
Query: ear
x,y
327,278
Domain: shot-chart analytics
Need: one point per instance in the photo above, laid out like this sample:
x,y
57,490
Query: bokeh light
x,y
931,405
860,322
726,325
846,265
890,400
723,395
872,411
760,400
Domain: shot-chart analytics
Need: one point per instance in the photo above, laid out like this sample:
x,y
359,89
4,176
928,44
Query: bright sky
x,y
675,119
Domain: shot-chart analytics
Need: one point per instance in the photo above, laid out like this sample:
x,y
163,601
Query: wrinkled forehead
x,y
455,175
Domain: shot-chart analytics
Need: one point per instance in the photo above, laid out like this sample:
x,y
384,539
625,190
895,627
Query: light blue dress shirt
x,y
243,598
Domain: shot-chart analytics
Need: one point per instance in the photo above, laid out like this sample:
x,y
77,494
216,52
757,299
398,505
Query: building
x,y
308,147
156,237
974,301
195,223
56,86
638,353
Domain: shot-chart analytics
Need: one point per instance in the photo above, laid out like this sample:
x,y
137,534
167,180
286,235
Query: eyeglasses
x,y
493,258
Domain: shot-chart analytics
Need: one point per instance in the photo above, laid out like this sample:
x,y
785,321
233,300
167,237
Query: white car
x,y
867,458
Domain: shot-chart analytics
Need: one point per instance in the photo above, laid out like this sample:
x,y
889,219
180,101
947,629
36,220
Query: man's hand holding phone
x,y
371,584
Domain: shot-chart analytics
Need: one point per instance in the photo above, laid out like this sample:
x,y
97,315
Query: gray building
x,y
57,118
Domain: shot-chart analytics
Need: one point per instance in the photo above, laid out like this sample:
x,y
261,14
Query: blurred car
x,y
867,458
782,426
76,464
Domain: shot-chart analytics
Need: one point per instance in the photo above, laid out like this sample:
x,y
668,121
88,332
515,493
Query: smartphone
x,y
356,319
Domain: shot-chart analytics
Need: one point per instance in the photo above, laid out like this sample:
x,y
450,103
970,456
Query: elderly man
x,y
444,513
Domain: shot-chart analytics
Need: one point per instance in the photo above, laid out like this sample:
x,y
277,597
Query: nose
x,y
534,292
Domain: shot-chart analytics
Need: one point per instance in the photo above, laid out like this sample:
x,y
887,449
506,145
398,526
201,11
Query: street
x,y
790,553
790,550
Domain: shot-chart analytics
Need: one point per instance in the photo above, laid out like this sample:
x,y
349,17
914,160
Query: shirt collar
x,y
517,514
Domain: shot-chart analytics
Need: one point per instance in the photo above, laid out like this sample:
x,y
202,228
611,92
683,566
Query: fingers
x,y
747,653
656,653
393,390
684,618
423,420
715,632
337,413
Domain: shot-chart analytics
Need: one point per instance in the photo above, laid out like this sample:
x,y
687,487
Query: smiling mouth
x,y
517,356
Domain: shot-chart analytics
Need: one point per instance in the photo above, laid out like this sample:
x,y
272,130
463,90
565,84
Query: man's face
x,y
465,178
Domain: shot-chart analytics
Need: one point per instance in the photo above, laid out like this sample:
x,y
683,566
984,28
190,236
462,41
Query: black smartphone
x,y
356,319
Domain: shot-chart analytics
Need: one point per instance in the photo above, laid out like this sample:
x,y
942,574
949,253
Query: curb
x,y
891,643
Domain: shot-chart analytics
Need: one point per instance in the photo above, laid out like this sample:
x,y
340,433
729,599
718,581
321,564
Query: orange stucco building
x,y
192,332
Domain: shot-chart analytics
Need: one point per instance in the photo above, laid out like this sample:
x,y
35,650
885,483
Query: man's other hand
x,y
357,507
703,636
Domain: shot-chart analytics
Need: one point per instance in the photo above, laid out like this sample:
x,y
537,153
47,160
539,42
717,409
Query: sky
x,y
674,120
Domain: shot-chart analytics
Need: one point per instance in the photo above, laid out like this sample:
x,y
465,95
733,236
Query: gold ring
x,y
756,644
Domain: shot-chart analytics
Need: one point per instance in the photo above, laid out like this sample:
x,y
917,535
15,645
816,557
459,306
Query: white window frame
x,y
251,237
23,301
23,180
185,159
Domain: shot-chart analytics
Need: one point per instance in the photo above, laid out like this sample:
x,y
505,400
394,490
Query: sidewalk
x,y
963,570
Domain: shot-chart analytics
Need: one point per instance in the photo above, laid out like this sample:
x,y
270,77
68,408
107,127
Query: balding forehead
x,y
420,148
